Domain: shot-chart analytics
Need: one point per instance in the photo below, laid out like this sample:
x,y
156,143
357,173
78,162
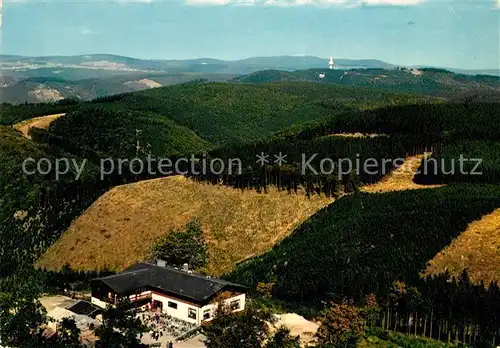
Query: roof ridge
x,y
122,273
191,273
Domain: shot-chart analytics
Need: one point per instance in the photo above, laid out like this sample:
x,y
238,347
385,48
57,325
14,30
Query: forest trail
x,y
42,122
477,249
401,178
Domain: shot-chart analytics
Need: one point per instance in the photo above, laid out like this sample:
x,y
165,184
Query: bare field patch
x,y
42,122
401,178
476,250
122,225
46,94
144,83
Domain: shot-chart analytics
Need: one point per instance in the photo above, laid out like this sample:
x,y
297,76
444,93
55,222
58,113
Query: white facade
x,y
191,312
207,312
184,310
190,299
177,308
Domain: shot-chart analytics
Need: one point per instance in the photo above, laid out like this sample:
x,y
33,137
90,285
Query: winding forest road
x,y
42,122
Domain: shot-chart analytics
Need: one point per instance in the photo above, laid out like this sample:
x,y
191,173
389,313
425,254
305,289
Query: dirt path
x,y
401,178
42,122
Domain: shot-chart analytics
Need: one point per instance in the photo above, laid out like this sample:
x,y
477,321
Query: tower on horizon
x,y
331,63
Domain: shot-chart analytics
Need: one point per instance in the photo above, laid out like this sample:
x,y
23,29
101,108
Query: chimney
x,y
161,263
185,267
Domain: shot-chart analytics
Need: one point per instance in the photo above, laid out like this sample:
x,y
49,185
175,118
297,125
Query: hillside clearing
x,y
401,178
144,83
46,94
357,135
42,122
477,250
121,226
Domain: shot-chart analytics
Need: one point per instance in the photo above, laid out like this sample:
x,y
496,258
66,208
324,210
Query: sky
x,y
454,34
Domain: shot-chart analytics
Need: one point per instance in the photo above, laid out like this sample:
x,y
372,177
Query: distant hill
x,y
84,77
52,78
491,72
54,85
13,64
224,113
207,65
438,82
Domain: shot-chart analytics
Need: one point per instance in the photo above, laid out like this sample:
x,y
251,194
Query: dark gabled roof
x,y
85,308
192,286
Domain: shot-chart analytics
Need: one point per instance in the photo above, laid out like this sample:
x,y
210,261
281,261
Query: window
x,y
172,305
235,305
191,313
206,314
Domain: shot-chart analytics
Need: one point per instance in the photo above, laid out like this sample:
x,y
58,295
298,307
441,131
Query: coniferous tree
x,y
120,328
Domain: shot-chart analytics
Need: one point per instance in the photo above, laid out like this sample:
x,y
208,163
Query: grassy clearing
x,y
401,178
38,122
477,250
121,226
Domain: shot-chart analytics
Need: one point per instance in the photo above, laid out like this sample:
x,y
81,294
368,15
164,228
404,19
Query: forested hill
x,y
165,122
224,113
35,209
426,81
358,245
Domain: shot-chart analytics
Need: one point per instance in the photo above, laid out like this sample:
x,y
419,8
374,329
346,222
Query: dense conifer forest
x,y
364,243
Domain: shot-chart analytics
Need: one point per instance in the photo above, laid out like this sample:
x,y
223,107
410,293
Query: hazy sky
x,y
457,34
